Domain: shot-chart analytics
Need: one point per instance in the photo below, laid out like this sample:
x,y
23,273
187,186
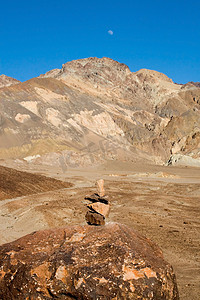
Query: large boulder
x,y
85,262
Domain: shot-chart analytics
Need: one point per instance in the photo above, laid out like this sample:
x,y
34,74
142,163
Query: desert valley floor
x,y
160,202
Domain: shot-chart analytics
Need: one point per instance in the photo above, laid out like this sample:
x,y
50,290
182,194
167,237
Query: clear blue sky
x,y
163,35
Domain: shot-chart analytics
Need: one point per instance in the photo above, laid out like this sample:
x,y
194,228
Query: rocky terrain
x,y
160,202
93,119
95,109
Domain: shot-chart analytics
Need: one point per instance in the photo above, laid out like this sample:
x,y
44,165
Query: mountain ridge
x,y
94,102
7,81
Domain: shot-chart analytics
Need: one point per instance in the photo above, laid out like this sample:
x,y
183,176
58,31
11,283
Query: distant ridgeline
x,y
95,109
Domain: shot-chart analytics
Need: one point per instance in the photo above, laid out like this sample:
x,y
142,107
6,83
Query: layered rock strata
x,y
94,110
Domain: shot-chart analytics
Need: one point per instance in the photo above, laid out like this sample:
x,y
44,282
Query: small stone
x,y
100,187
101,208
96,198
94,218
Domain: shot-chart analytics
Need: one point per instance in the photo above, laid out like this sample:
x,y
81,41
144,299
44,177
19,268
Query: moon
x,y
110,32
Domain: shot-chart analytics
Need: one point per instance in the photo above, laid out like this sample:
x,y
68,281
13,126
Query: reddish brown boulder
x,y
85,262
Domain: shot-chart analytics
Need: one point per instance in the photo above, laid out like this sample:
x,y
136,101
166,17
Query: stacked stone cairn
x,y
98,207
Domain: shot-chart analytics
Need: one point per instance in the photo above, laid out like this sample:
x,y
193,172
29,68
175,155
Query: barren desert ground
x,y
162,203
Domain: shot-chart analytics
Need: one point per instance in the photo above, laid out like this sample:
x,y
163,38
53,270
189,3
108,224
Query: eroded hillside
x,y
15,183
95,109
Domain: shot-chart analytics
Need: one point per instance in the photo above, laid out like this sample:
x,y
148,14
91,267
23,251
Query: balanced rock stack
x,y
98,206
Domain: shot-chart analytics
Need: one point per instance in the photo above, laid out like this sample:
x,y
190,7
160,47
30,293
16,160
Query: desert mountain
x,y
95,109
197,84
7,81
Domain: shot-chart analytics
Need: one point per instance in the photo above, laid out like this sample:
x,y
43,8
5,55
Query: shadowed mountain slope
x,y
14,183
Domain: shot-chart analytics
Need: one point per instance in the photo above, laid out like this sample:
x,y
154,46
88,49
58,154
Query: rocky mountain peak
x,y
92,73
152,76
7,81
96,100
93,63
89,65
191,84
108,78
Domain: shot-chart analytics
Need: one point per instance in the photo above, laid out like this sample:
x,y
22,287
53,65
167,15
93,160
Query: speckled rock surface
x,y
85,262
